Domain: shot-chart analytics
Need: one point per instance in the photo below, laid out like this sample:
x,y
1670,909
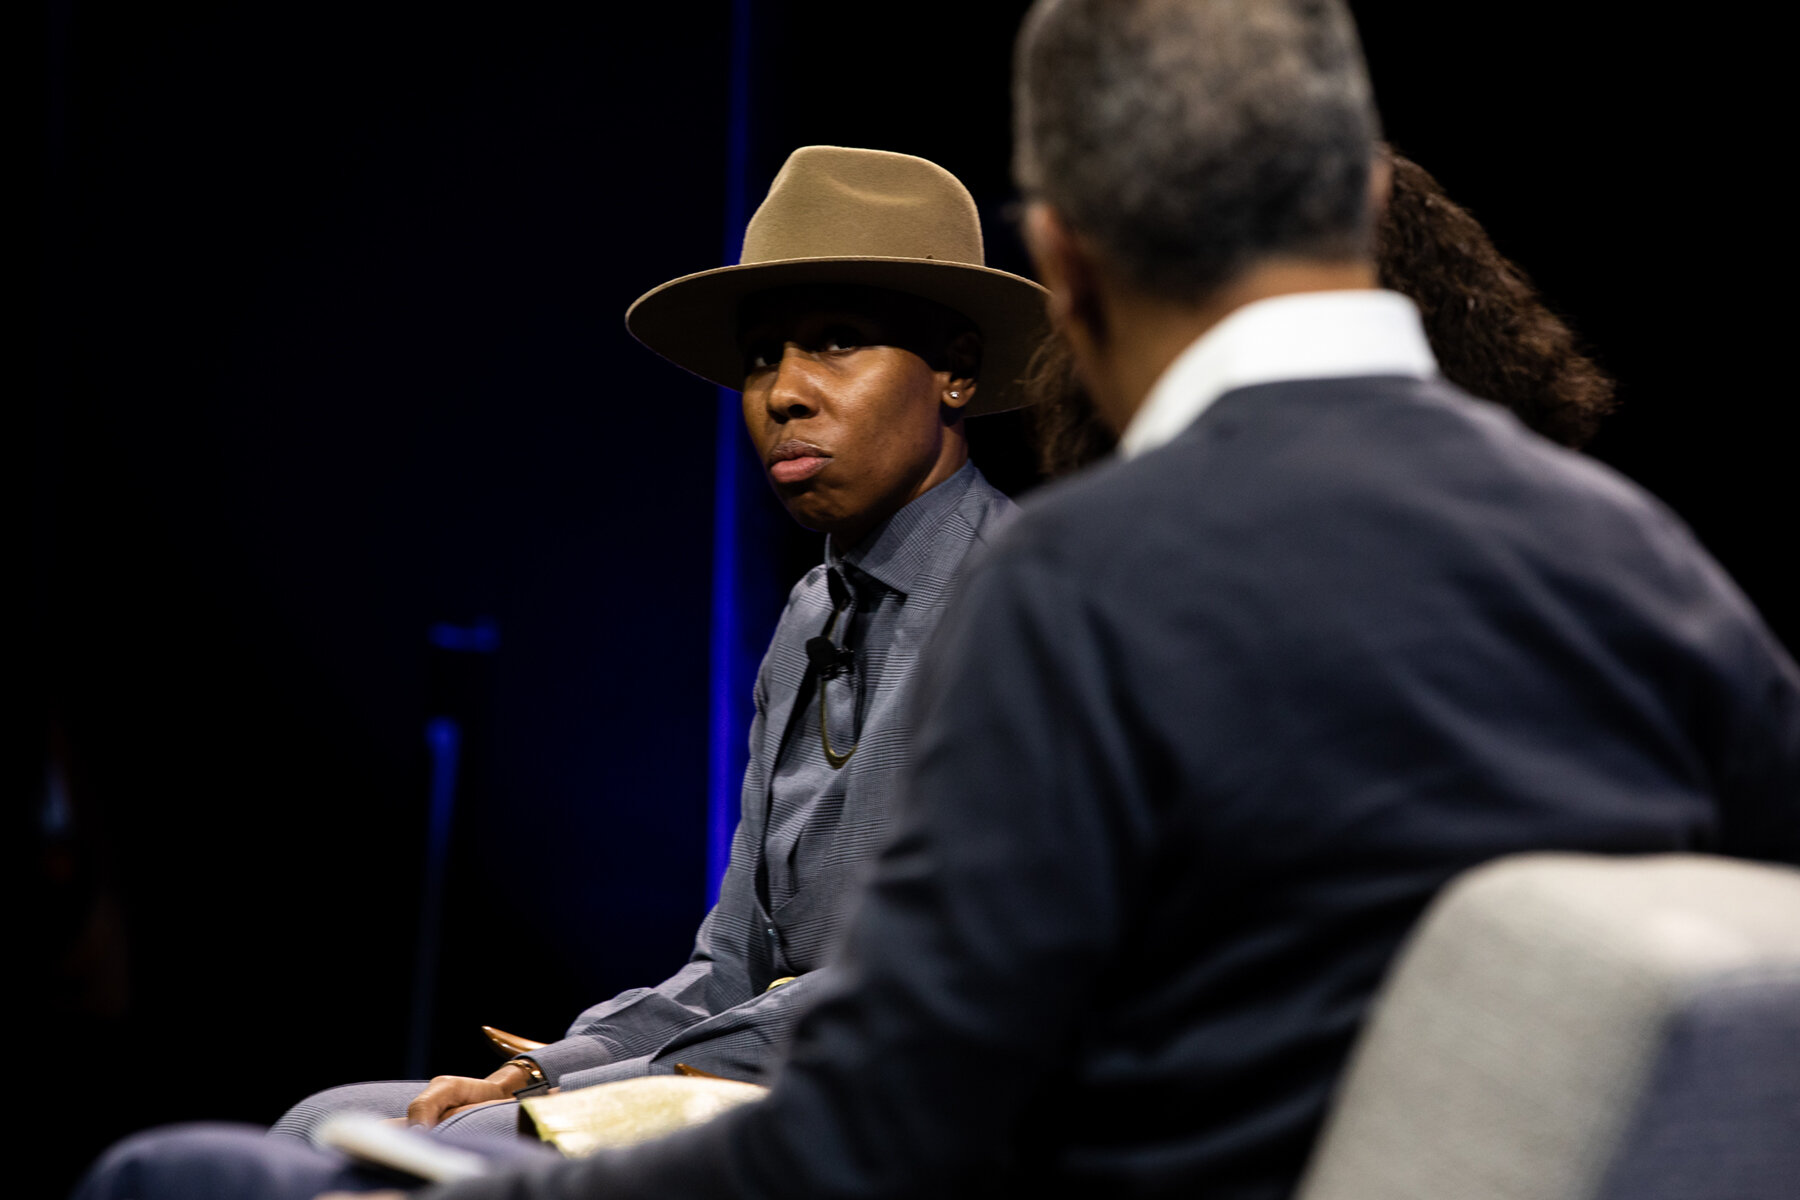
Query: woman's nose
x,y
794,393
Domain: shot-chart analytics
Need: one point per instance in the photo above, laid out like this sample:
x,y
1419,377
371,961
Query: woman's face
x,y
844,407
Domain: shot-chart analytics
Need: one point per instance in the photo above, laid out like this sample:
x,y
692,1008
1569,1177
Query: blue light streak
x,y
731,675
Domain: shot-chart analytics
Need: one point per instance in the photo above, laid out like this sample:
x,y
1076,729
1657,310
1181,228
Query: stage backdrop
x,y
331,358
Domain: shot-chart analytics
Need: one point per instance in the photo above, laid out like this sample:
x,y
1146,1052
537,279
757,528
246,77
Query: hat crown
x,y
841,202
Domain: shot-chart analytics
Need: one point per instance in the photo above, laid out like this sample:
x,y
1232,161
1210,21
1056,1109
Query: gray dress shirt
x,y
808,831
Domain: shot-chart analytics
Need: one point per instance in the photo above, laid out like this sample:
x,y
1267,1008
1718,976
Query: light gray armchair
x,y
1575,1027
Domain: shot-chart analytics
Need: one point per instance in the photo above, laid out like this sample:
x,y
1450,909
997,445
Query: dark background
x,y
329,350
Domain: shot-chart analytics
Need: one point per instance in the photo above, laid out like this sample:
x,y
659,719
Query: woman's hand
x,y
455,1091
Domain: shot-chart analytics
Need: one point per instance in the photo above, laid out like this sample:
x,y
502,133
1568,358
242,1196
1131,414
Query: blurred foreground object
x,y
1570,1027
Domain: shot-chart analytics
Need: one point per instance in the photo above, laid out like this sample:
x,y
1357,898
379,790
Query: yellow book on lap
x,y
611,1115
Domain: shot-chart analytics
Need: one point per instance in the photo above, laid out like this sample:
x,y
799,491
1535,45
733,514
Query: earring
x,y
955,395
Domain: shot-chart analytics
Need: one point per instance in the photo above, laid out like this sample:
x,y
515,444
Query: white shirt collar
x,y
1305,335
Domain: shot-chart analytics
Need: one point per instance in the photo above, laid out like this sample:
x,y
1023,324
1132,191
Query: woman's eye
x,y
761,357
841,339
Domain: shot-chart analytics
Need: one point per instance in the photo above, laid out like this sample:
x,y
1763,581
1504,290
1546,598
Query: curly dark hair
x,y
1060,419
1491,333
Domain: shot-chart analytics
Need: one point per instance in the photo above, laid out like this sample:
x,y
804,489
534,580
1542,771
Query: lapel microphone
x,y
827,657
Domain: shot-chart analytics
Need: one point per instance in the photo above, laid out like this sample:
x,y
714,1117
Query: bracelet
x,y
538,1083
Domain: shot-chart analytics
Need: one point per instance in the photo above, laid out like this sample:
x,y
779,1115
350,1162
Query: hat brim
x,y
692,321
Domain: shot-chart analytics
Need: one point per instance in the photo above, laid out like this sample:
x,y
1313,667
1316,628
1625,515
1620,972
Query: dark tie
x,y
835,666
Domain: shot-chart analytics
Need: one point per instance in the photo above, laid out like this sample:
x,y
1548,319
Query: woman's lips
x,y
793,470
794,461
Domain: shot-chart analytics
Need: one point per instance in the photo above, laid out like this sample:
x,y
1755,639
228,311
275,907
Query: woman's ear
x,y
963,360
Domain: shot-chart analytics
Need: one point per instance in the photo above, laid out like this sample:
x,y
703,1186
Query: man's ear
x,y
1068,269
1381,183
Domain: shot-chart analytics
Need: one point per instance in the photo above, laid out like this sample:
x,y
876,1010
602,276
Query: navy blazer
x,y
1199,741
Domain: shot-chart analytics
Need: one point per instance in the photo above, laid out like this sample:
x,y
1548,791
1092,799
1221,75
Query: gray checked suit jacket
x,y
717,1013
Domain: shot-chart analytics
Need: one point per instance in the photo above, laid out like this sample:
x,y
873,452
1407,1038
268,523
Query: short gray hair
x,y
1189,138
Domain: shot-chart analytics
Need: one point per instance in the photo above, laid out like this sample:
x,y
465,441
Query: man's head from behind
x,y
1184,142
1187,138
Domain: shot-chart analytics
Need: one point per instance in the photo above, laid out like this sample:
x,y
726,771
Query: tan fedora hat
x,y
868,217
